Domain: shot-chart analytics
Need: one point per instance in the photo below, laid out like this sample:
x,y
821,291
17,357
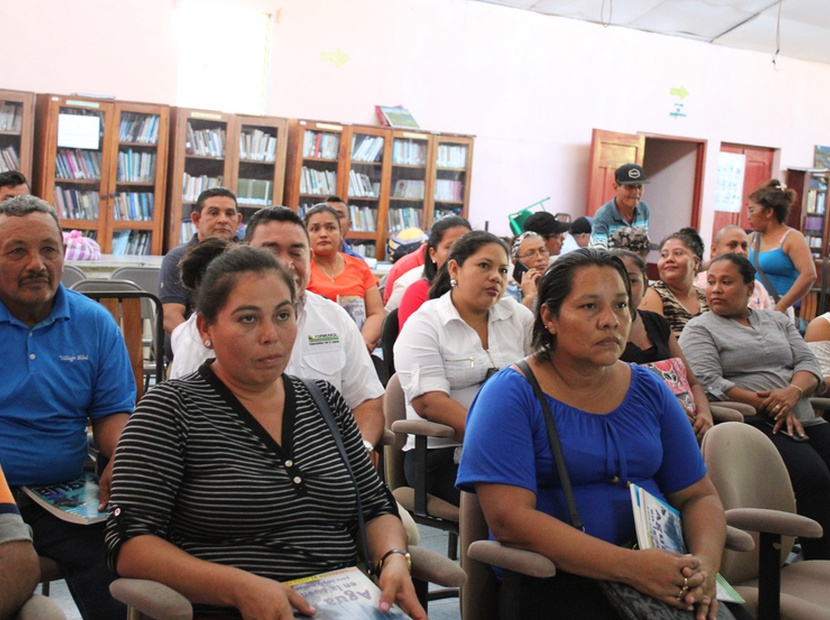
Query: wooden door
x,y
609,151
758,168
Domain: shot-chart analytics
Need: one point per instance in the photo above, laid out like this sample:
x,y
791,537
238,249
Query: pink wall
x,y
529,87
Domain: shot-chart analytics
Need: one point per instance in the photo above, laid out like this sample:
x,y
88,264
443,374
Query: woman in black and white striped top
x,y
228,481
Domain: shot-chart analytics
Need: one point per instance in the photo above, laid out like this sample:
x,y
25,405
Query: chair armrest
x,y
516,560
748,411
387,438
725,414
820,402
423,427
432,567
773,522
40,608
738,540
152,598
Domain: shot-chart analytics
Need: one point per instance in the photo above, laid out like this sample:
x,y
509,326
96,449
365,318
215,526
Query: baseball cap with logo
x,y
630,174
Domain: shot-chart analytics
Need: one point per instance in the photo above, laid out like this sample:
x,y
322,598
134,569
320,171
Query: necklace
x,y
326,273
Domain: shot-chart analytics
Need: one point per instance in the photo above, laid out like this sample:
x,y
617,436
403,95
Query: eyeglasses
x,y
534,253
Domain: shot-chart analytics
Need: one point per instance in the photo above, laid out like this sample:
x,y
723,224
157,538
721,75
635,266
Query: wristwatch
x,y
393,552
368,445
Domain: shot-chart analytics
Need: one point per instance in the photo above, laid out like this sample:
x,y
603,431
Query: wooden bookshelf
x,y
810,213
244,153
390,178
103,164
17,131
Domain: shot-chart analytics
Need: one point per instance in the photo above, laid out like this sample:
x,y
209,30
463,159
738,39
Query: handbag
x,y
673,373
630,603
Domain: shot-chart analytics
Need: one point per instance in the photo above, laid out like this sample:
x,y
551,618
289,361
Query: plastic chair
x,y
40,608
147,599
424,508
147,278
71,275
755,489
388,335
130,306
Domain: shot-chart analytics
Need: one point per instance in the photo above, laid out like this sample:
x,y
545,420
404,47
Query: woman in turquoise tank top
x,y
784,254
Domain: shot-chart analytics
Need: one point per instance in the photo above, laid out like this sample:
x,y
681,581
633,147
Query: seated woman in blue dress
x,y
617,424
228,482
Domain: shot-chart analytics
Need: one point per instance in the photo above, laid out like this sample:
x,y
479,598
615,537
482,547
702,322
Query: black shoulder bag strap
x,y
328,416
757,262
555,446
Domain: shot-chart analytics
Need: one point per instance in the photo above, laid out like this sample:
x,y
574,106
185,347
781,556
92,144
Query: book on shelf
x,y
401,218
77,164
658,526
76,205
451,156
208,142
344,593
135,166
254,192
318,182
321,144
193,186
409,152
257,145
447,189
368,150
362,219
395,116
139,128
408,188
75,500
188,229
131,242
9,159
134,206
11,116
361,185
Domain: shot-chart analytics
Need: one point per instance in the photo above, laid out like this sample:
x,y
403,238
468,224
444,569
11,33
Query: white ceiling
x,y
745,24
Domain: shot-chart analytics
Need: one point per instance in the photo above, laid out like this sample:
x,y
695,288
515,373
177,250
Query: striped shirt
x,y
195,468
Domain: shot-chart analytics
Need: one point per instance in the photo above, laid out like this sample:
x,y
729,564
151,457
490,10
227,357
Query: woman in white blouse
x,y
453,343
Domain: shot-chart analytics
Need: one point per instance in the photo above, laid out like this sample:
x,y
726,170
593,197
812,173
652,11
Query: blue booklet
x,y
75,500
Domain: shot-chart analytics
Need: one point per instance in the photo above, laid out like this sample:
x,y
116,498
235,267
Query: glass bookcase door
x,y
80,168
204,165
364,195
260,161
816,212
408,188
320,161
450,188
16,131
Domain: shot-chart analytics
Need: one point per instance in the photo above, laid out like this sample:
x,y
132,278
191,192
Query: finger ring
x,y
685,583
777,407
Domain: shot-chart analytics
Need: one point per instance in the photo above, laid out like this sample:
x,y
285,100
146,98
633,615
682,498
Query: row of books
x,y
451,156
134,206
400,219
362,186
446,189
78,164
134,242
11,116
193,186
321,144
318,181
76,205
409,152
363,219
817,201
187,231
408,188
205,142
257,145
370,148
255,192
136,166
813,224
9,159
814,241
364,249
139,128
444,212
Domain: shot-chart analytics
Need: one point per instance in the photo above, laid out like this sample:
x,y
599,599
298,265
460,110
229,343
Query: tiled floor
x,y
431,538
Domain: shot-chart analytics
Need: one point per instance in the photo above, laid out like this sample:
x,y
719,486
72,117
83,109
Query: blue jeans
x,y
79,551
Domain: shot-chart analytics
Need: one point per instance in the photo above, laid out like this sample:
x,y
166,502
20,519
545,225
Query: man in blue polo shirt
x,y
625,209
64,365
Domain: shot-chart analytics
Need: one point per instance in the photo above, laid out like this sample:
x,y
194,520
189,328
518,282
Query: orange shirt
x,y
355,279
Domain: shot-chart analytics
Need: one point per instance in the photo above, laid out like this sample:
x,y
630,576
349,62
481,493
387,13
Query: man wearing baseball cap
x,y
550,229
626,208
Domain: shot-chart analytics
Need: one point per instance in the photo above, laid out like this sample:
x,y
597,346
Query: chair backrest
x,y
478,596
388,336
147,278
71,275
748,472
394,408
126,301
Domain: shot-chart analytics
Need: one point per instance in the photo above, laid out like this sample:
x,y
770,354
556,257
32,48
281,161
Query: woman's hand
x,y
530,280
778,402
701,422
674,579
259,598
396,587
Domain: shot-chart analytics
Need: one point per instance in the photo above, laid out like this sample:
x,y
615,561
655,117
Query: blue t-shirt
x,y
68,369
646,440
